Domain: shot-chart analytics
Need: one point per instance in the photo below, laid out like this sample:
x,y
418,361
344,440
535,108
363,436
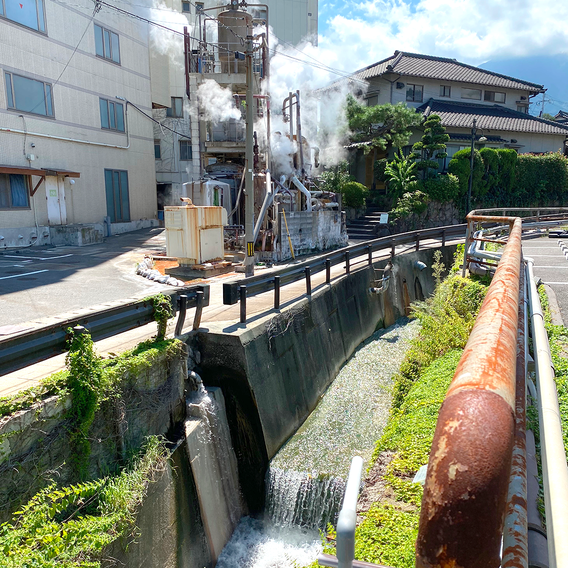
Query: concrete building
x,y
198,146
72,151
459,93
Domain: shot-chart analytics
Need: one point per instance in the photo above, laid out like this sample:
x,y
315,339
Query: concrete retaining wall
x,y
274,371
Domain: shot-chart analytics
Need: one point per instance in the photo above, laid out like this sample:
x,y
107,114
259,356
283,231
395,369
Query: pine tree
x,y
432,146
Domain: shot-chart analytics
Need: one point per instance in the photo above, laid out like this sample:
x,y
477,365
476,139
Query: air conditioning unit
x,y
400,85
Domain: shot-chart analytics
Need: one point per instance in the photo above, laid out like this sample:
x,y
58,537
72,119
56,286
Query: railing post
x,y
467,236
199,300
347,265
276,292
370,253
327,271
393,248
243,298
443,238
308,280
182,311
417,241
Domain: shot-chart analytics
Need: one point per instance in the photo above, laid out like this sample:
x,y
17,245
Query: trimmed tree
x,y
380,126
432,147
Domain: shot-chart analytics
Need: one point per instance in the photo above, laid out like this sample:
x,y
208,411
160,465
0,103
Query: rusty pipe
x,y
463,506
515,533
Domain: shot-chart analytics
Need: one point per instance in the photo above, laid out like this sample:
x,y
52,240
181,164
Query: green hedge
x,y
502,178
353,194
442,188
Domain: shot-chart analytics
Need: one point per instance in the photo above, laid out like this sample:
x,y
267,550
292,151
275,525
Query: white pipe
x,y
554,467
303,189
348,516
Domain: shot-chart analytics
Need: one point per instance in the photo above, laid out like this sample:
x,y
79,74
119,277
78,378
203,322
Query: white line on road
x,y
548,266
35,257
551,283
24,274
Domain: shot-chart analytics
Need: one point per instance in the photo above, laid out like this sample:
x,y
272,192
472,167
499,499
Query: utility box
x,y
194,234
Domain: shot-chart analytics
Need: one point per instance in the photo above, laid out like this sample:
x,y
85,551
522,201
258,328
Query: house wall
x,y
431,89
87,77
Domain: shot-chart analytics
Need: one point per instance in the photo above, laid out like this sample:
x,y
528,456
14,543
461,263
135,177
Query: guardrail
x,y
29,347
240,290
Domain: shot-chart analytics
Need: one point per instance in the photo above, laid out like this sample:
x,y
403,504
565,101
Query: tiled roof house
x,y
459,93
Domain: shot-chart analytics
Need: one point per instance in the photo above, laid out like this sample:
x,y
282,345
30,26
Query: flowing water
x,y
306,479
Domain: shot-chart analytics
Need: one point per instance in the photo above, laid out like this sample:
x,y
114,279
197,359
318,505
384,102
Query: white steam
x,y
217,104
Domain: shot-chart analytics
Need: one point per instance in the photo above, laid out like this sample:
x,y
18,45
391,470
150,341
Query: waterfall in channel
x,y
306,479
214,466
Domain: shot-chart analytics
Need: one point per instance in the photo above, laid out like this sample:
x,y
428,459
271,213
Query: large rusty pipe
x,y
515,533
463,505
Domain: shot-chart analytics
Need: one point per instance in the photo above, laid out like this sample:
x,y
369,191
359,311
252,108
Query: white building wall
x,y
76,111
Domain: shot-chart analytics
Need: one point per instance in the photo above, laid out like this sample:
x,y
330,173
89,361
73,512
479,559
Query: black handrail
x,y
265,282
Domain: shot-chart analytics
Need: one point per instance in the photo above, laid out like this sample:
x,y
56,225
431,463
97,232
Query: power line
x,y
157,121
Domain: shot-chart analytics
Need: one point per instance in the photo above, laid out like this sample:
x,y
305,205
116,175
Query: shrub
x,y
354,194
400,174
542,179
460,167
442,188
411,202
379,170
431,147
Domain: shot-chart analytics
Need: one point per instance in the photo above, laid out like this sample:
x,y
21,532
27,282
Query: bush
x,y
379,170
442,188
460,167
542,180
411,202
353,194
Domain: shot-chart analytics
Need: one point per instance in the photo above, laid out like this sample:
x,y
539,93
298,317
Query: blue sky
x,y
473,31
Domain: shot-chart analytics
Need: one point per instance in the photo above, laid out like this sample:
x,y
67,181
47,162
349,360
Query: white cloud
x,y
472,31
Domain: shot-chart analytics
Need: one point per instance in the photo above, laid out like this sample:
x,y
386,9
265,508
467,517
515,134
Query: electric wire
x,y
161,124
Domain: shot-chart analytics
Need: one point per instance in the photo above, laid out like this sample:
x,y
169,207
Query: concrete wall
x,y
309,231
87,78
274,370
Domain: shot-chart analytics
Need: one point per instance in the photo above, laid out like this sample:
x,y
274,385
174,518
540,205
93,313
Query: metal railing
x,y
352,257
37,344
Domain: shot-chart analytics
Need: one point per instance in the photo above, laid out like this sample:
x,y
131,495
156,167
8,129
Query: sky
x,y
472,31
524,38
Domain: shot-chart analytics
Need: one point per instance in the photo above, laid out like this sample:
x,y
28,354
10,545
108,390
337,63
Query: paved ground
x,y
46,281
551,266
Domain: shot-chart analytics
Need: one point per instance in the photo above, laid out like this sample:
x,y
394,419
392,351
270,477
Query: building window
x,y
373,100
29,95
494,96
116,186
445,91
112,115
107,44
14,191
186,7
474,94
176,110
199,6
414,93
30,13
157,149
185,153
522,108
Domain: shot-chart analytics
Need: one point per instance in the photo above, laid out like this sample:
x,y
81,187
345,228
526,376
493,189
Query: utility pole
x,y
249,164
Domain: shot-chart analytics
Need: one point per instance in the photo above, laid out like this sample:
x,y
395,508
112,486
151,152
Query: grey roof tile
x,y
489,117
444,69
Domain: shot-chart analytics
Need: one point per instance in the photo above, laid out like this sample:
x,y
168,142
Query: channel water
x,y
306,479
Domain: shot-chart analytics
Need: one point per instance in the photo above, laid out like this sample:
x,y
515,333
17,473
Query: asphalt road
x,y
551,266
39,282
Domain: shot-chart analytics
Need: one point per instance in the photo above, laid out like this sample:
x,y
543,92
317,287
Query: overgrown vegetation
x,y
70,527
387,533
558,339
163,311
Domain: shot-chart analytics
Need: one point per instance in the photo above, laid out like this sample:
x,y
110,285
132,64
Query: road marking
x,y
24,274
556,283
547,266
36,257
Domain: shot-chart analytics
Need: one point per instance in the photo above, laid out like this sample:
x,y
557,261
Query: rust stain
x,y
465,494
